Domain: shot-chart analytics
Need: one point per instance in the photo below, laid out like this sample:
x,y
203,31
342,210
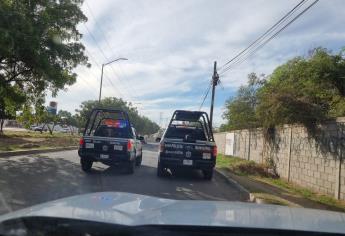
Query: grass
x,y
26,140
242,167
34,134
304,192
258,172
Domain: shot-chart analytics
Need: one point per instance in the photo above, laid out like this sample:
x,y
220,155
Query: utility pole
x,y
215,81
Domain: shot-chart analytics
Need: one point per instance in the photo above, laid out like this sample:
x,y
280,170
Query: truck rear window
x,y
109,131
112,124
182,132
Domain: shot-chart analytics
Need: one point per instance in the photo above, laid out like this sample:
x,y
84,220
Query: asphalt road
x,y
34,179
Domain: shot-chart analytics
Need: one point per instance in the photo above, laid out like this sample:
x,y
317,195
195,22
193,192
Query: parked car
x,y
188,143
110,138
65,130
40,128
32,127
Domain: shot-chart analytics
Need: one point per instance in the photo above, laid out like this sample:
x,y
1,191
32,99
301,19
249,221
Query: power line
x,y
269,39
205,96
93,93
265,33
99,27
107,78
105,57
111,49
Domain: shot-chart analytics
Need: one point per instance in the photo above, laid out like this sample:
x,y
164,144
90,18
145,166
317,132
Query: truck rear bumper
x,y
106,158
169,162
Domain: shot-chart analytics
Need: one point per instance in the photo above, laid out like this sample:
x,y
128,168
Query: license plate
x,y
89,145
187,162
206,156
103,156
118,147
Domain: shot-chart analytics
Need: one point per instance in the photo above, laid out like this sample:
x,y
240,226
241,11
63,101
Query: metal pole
x,y
100,87
215,79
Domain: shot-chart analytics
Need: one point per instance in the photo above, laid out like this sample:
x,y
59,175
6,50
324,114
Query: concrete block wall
x,y
312,161
256,147
220,139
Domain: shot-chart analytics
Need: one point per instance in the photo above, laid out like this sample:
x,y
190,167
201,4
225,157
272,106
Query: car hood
x,y
133,209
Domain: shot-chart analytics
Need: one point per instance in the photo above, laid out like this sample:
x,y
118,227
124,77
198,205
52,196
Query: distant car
x,y
109,138
40,128
32,127
65,130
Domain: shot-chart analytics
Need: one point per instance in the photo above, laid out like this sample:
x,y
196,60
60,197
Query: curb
x,y
35,151
252,197
231,181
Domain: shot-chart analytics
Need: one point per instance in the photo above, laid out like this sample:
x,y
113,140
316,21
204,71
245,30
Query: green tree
x,y
39,48
67,118
142,124
304,90
240,110
11,98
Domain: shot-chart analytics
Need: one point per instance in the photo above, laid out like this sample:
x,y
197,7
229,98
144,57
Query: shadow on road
x,y
26,181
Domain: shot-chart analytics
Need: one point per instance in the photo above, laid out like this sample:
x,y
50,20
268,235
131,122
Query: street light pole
x,y
103,65
100,87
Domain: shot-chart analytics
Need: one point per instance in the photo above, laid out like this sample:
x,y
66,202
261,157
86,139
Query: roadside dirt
x,y
9,143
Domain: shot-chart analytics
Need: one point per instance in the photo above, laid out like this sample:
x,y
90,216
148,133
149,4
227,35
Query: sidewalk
x,y
261,192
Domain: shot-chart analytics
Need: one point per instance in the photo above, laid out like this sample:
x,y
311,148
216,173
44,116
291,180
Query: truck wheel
x,y
139,159
86,165
130,167
208,174
160,170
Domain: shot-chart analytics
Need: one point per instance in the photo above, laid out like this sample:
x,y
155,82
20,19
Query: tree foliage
x,y
67,118
39,48
240,110
142,124
304,90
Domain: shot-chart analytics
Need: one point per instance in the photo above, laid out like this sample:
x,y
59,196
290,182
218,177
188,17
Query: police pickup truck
x,y
188,143
110,138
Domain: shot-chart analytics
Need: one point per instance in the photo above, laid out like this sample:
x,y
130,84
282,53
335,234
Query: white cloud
x,y
171,46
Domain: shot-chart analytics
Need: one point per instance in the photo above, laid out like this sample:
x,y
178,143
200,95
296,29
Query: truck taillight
x,y
130,145
161,147
215,152
81,142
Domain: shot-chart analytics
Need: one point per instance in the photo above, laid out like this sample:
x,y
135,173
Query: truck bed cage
x,y
193,116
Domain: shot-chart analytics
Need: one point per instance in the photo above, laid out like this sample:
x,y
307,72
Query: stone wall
x,y
312,160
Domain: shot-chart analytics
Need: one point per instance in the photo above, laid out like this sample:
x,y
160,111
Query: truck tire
x,y
139,159
160,170
130,167
208,174
86,164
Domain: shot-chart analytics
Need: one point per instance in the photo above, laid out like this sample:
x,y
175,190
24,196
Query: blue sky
x,y
171,47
